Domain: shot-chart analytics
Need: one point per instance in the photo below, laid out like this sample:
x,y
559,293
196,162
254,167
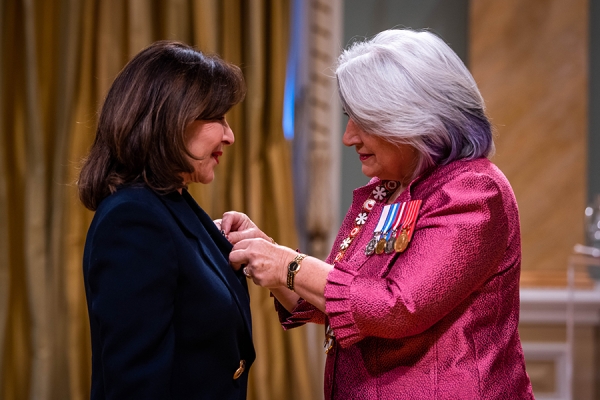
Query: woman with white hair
x,y
420,294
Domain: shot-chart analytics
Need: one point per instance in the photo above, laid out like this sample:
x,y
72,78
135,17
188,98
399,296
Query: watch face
x,y
293,267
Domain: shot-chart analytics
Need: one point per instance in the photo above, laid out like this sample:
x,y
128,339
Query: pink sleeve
x,y
461,241
303,312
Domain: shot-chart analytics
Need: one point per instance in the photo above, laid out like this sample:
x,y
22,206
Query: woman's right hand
x,y
238,226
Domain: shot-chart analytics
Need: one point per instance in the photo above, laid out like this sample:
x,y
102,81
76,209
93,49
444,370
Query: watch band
x,y
293,268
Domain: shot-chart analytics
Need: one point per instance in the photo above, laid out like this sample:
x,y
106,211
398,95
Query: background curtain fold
x,y
58,59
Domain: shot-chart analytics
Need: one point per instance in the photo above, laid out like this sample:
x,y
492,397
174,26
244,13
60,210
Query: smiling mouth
x,y
216,155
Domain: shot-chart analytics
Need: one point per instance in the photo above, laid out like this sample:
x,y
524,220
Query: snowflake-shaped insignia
x,y
379,193
361,218
345,244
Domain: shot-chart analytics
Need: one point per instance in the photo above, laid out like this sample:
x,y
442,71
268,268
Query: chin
x,y
368,173
207,179
202,179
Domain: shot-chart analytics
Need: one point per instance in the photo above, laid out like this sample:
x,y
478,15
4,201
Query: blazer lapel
x,y
192,218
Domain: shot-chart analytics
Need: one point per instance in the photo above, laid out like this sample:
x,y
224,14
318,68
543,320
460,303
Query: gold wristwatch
x,y
293,268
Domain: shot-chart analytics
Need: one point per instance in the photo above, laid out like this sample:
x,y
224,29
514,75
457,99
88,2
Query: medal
x,y
380,246
389,220
389,244
373,245
392,237
370,249
380,193
387,229
408,226
401,242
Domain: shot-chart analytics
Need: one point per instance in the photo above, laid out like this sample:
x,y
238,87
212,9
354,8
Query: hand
x,y
265,263
236,226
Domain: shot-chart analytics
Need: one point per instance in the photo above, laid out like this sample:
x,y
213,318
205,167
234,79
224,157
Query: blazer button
x,y
238,372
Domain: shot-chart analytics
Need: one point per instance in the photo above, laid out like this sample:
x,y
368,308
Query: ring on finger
x,y
246,272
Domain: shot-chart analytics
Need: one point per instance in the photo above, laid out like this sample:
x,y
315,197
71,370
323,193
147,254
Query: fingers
x,y
261,261
237,226
236,237
240,256
252,233
237,259
232,221
225,223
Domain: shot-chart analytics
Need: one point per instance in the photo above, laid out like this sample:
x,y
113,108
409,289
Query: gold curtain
x,y
58,59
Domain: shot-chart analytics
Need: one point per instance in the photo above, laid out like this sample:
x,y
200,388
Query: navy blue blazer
x,y
169,317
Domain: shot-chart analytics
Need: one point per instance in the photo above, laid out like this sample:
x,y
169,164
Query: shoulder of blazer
x,y
127,198
130,194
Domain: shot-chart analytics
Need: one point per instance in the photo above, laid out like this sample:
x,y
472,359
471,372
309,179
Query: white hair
x,y
409,87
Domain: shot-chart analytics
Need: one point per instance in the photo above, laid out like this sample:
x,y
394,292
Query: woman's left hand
x,y
265,262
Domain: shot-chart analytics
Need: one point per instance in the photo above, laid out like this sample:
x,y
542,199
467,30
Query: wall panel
x,y
530,61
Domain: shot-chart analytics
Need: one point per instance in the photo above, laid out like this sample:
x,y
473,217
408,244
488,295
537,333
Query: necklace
x,y
380,193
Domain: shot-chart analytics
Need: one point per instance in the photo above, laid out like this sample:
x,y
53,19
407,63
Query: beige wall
x,y
529,59
542,372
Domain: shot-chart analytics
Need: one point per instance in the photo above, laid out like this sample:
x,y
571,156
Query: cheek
x,y
203,173
198,149
200,166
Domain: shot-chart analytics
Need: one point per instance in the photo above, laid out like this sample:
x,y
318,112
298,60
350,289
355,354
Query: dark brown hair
x,y
140,137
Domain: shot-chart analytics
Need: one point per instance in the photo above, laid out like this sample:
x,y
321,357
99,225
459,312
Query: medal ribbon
x,y
393,214
411,217
398,218
377,244
383,220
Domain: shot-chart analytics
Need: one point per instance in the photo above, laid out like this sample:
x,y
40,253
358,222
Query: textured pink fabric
x,y
438,321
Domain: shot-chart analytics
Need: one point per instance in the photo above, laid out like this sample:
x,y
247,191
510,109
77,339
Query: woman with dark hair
x,y
420,293
169,318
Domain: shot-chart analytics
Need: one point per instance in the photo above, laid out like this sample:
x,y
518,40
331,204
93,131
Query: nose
x,y
350,137
228,136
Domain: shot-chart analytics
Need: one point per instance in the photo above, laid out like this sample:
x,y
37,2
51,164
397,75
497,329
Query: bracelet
x,y
293,268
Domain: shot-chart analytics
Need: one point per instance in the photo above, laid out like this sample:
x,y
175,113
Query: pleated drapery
x,y
58,59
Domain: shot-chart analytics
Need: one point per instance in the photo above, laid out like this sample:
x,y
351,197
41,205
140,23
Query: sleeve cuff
x,y
338,304
303,312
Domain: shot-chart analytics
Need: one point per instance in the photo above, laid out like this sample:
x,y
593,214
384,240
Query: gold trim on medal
x,y
401,242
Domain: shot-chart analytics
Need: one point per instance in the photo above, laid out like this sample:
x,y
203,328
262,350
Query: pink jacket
x,y
438,321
